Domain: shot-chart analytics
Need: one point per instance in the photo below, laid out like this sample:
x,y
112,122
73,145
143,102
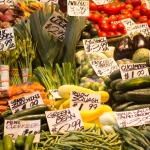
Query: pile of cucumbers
x,y
130,94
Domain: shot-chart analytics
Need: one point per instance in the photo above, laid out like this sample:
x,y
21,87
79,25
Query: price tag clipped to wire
x,y
25,101
64,120
133,118
84,101
55,94
133,70
56,25
78,7
102,2
147,4
95,45
128,22
104,67
7,39
13,128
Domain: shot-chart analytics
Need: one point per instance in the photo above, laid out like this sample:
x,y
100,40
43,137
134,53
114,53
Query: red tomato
x,y
130,10
129,15
118,33
106,8
96,26
112,18
120,27
118,5
137,7
95,17
102,34
129,6
89,17
113,10
136,14
128,2
102,21
124,11
143,19
124,31
143,9
110,33
122,5
93,6
104,27
148,22
113,27
135,2
137,22
121,16
99,8
148,14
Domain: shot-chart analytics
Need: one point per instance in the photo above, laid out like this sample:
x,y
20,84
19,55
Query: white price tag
x,y
133,70
25,102
102,2
13,128
84,101
49,2
55,94
78,7
8,2
56,25
95,45
104,67
7,39
64,120
133,118
128,23
147,3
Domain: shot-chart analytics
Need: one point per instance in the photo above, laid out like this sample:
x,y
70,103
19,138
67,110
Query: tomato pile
x,y
104,16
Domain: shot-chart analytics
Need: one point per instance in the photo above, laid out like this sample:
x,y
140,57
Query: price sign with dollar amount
x,y
84,101
133,70
55,94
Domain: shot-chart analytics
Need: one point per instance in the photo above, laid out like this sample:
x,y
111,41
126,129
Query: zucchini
x,y
29,141
1,145
119,96
133,83
114,82
39,109
8,144
107,81
115,75
139,96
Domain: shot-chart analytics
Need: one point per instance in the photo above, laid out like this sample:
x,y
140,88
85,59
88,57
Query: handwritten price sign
x,y
128,23
133,118
104,67
56,25
8,2
13,128
49,2
102,2
7,39
25,102
84,101
133,70
95,45
147,4
78,7
64,120
55,94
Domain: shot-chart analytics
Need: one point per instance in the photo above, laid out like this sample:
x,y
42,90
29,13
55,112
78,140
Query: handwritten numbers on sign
x,y
128,23
64,120
78,7
8,2
133,70
56,25
102,2
84,101
55,94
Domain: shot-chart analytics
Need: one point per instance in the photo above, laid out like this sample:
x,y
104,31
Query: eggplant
x,y
139,41
124,48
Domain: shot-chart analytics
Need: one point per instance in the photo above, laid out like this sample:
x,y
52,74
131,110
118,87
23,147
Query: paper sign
x,y
133,70
78,7
84,101
7,39
13,128
128,23
147,4
49,2
95,45
102,2
137,26
56,25
133,118
25,102
55,94
64,120
104,67
8,2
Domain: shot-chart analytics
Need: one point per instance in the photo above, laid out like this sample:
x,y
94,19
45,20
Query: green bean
x,y
103,131
48,140
115,138
113,144
110,137
63,145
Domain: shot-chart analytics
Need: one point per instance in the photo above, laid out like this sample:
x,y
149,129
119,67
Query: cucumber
x,y
115,104
114,82
1,145
8,144
122,106
119,96
107,81
133,83
110,91
115,75
29,142
20,141
39,109
139,96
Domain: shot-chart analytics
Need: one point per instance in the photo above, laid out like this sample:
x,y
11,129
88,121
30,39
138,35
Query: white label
x,y
55,94
25,74
78,7
4,77
84,101
102,2
25,102
147,4
95,45
13,128
7,39
49,2
133,118
8,2
104,67
137,26
64,120
56,25
133,70
128,23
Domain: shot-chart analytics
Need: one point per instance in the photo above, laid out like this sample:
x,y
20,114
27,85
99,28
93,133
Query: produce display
x,y
75,82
